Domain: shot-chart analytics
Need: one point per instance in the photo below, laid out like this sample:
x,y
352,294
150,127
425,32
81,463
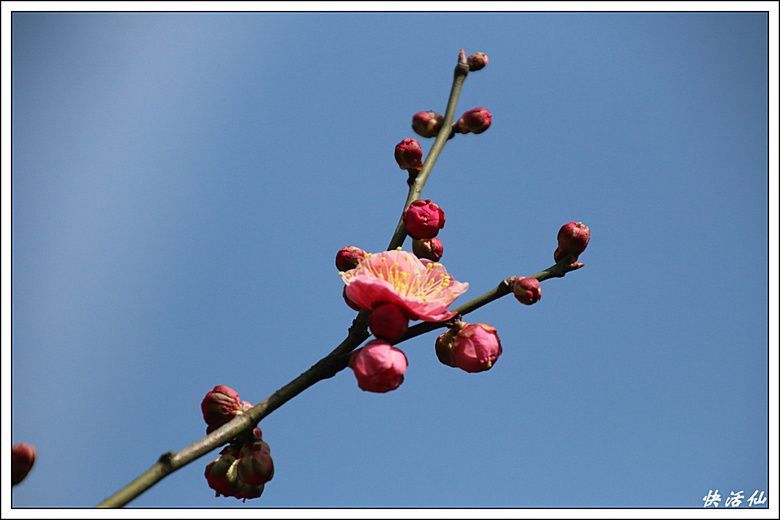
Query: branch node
x,y
166,459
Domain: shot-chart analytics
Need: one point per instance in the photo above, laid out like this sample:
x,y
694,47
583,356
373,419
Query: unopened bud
x,y
378,366
221,472
427,124
430,248
477,61
573,238
408,154
244,490
349,257
446,342
22,460
255,466
388,321
219,406
476,121
476,347
423,219
527,290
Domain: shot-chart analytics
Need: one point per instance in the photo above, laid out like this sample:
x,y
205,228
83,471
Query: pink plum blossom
x,y
378,366
422,288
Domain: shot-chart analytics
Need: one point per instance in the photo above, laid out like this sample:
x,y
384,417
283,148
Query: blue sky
x,y
182,183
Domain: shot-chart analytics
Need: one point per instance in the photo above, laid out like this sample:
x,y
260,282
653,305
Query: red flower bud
x,y
423,219
244,490
388,321
378,366
526,290
476,121
255,466
430,248
573,238
408,155
476,347
221,472
349,257
22,460
427,124
446,342
477,61
219,406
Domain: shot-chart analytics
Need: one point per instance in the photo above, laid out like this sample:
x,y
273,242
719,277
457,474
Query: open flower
x,y
422,288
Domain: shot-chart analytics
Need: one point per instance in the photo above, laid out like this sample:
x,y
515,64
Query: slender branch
x,y
325,368
502,289
337,359
416,186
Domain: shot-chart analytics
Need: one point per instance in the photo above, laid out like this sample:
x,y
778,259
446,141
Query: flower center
x,y
408,281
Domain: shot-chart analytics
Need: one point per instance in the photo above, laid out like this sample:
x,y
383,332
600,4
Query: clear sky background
x,y
182,183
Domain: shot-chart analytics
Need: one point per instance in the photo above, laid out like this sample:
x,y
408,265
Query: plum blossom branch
x,y
169,462
324,368
416,185
558,270
427,305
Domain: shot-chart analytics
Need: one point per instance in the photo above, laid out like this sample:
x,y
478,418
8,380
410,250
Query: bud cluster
x,y
242,469
245,465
